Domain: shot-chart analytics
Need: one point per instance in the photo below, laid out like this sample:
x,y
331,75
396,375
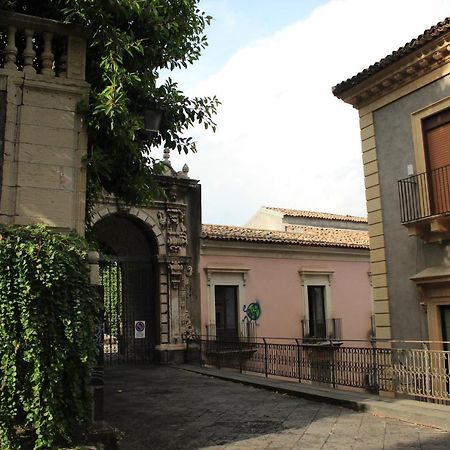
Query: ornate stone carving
x,y
188,330
176,271
162,219
176,230
188,271
172,194
187,327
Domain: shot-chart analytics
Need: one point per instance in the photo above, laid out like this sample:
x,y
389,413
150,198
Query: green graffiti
x,y
252,311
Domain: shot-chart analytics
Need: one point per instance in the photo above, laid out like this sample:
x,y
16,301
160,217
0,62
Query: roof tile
x,y
317,215
434,32
303,235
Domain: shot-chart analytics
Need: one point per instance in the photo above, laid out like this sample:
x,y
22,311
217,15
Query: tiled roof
x,y
303,235
317,215
428,35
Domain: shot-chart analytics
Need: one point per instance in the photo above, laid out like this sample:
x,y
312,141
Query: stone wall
x,y
43,179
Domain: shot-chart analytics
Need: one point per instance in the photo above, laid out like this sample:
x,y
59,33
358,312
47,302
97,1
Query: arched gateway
x,y
149,272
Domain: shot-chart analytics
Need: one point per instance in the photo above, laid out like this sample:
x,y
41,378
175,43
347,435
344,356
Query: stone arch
x,y
146,217
130,274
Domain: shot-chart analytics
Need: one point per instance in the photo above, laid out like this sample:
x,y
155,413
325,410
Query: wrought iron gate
x,y
128,328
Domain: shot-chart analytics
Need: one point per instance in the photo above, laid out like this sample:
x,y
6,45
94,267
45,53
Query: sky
x,y
282,138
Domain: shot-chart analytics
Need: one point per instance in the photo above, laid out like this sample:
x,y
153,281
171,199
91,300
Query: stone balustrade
x,y
43,135
33,45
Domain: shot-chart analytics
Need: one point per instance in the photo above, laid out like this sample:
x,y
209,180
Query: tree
x,y
131,42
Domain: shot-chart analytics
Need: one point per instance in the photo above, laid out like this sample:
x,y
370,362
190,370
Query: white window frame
x,y
225,276
316,277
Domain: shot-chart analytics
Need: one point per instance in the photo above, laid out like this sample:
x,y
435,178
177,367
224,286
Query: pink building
x,y
291,273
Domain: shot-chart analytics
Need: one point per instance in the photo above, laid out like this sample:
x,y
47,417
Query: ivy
x,y
47,314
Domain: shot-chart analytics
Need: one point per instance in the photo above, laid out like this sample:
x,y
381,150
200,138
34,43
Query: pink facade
x,y
278,276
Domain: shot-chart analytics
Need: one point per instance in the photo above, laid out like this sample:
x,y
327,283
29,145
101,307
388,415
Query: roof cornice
x,y
387,76
279,250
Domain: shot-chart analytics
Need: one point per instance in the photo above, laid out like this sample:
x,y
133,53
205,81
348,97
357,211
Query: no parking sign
x,y
139,329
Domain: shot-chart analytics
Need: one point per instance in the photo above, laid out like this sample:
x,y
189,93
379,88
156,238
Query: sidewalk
x,y
429,414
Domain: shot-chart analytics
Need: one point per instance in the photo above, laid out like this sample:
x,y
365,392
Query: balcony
x,y
230,346
322,330
35,46
244,332
425,203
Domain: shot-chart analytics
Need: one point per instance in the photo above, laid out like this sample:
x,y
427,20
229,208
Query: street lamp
x,y
152,119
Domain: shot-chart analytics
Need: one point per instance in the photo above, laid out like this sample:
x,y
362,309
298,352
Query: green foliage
x,y
47,314
131,42
112,282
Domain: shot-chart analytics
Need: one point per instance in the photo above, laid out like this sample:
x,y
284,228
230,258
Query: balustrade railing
x,y
403,367
35,45
245,331
328,329
425,194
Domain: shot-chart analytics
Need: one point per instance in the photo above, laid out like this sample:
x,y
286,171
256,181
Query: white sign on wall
x,y
139,329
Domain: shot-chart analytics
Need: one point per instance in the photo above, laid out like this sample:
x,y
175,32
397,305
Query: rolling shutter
x,y
437,145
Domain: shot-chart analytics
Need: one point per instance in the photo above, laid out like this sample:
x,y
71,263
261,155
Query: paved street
x,y
166,408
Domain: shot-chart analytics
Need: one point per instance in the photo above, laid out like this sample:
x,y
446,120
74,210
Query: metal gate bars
x,y
127,310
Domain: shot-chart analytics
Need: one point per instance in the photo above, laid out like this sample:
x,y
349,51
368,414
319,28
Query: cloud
x,y
283,139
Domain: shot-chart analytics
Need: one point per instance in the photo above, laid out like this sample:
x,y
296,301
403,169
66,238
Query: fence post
x,y
427,369
298,361
187,350
266,362
373,384
240,356
333,365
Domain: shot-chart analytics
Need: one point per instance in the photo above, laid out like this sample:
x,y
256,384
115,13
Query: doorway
x,y
316,310
226,305
129,277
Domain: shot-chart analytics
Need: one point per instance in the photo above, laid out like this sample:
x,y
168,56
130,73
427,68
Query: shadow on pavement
x,y
159,407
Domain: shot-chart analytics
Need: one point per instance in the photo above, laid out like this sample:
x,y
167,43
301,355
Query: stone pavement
x,y
408,410
161,407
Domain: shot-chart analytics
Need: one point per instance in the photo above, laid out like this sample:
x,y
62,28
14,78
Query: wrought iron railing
x,y
425,194
328,329
243,331
402,367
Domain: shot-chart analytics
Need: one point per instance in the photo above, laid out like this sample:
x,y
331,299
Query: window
x,y
318,321
316,307
425,192
436,130
226,297
226,304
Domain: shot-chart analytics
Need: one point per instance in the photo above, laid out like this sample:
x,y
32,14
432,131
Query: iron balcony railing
x,y
409,368
245,331
425,194
328,329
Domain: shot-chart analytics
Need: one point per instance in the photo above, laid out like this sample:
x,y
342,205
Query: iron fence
x,y
425,194
394,366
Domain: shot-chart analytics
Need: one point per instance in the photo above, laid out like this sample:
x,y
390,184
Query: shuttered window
x,y
437,145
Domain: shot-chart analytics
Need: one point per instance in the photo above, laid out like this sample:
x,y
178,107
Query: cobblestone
x,y
157,407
